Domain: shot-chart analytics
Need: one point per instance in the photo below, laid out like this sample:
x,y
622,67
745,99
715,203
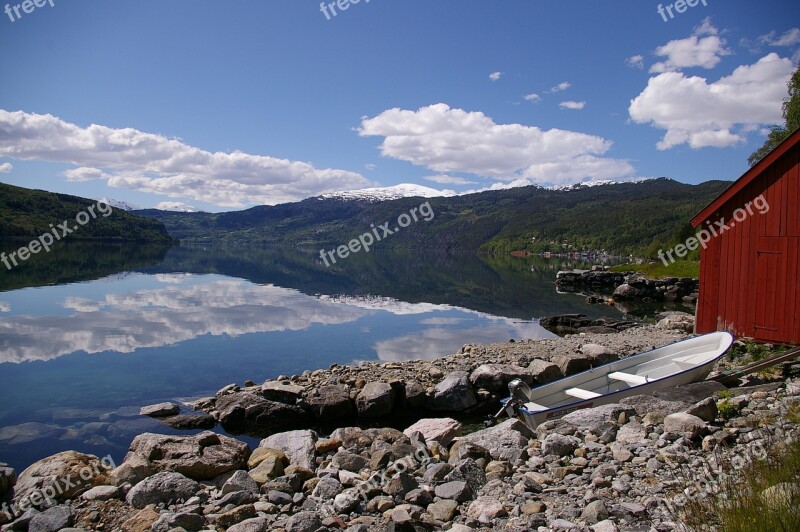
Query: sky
x,y
225,105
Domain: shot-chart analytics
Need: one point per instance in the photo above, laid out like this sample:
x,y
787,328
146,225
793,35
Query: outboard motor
x,y
520,394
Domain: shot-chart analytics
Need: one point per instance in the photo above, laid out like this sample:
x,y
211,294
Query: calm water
x,y
90,333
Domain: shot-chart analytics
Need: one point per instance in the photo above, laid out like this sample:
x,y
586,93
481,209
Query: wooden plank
x,y
729,378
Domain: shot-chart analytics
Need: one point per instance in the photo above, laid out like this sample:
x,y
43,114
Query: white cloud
x,y
177,206
370,166
572,105
494,76
453,140
702,114
694,51
532,97
564,85
5,307
448,180
147,162
6,168
789,38
635,61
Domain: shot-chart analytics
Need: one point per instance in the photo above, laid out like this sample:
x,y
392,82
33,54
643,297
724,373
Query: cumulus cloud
x,y
789,38
448,180
532,97
494,76
694,51
564,85
148,162
700,113
635,61
449,140
177,206
6,168
572,105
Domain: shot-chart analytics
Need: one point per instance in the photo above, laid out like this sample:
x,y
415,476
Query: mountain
x,y
619,217
405,190
26,214
122,205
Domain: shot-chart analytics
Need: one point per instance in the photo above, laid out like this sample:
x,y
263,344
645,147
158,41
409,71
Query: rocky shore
x,y
628,286
617,467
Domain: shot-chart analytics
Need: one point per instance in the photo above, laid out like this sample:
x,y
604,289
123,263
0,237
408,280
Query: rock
x,y
331,403
236,515
191,421
443,510
495,377
327,488
626,291
298,445
280,498
60,476
457,491
327,445
282,392
256,524
304,522
7,480
465,449
415,396
599,354
486,508
241,481
163,488
544,371
268,469
400,485
419,497
633,433
506,441
199,457
141,522
594,512
441,430
691,393
560,445
375,400
101,493
260,454
346,501
646,404
160,410
52,520
678,322
687,425
453,394
572,364
595,420
705,410
349,461
605,526
245,411
468,471
781,496
189,522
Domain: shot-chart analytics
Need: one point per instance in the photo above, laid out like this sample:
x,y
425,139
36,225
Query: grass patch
x,y
657,270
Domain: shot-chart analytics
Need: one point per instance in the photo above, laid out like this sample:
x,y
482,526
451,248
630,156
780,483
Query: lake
x,y
89,333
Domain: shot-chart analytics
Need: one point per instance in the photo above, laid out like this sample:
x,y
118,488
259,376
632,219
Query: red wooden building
x,y
750,267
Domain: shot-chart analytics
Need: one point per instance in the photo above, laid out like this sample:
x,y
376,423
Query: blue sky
x,y
221,106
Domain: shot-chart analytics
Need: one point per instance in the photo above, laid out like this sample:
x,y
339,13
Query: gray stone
x,y
282,392
305,521
327,488
346,501
51,520
68,464
443,510
453,394
101,493
7,479
349,461
495,377
486,508
599,354
705,409
687,425
436,472
191,421
163,488
633,433
190,522
298,445
605,526
160,410
457,490
646,404
400,485
596,420
468,471
245,411
256,524
331,403
506,441
441,430
240,481
572,364
375,400
415,396
544,371
279,497
691,393
560,445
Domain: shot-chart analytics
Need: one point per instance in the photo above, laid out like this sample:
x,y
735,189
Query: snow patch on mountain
x,y
406,190
121,205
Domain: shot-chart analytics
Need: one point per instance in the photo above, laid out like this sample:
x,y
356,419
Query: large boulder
x,y
62,476
441,430
247,412
507,441
160,410
453,394
52,520
687,425
572,364
163,488
282,391
560,445
7,479
415,397
647,404
691,393
495,377
599,354
331,403
596,420
199,457
544,371
375,400
298,445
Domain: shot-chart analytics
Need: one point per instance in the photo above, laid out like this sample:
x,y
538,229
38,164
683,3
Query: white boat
x,y
672,365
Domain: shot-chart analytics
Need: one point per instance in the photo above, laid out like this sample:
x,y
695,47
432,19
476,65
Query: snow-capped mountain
x,y
121,205
176,206
405,190
599,182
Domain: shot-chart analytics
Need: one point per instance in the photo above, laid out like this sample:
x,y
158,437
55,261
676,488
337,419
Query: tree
x,y
791,115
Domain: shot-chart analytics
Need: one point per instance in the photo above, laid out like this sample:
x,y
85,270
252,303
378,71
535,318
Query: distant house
x,y
750,264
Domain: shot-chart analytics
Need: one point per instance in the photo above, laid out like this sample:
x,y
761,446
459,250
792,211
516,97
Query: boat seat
x,y
533,407
630,378
689,361
581,394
